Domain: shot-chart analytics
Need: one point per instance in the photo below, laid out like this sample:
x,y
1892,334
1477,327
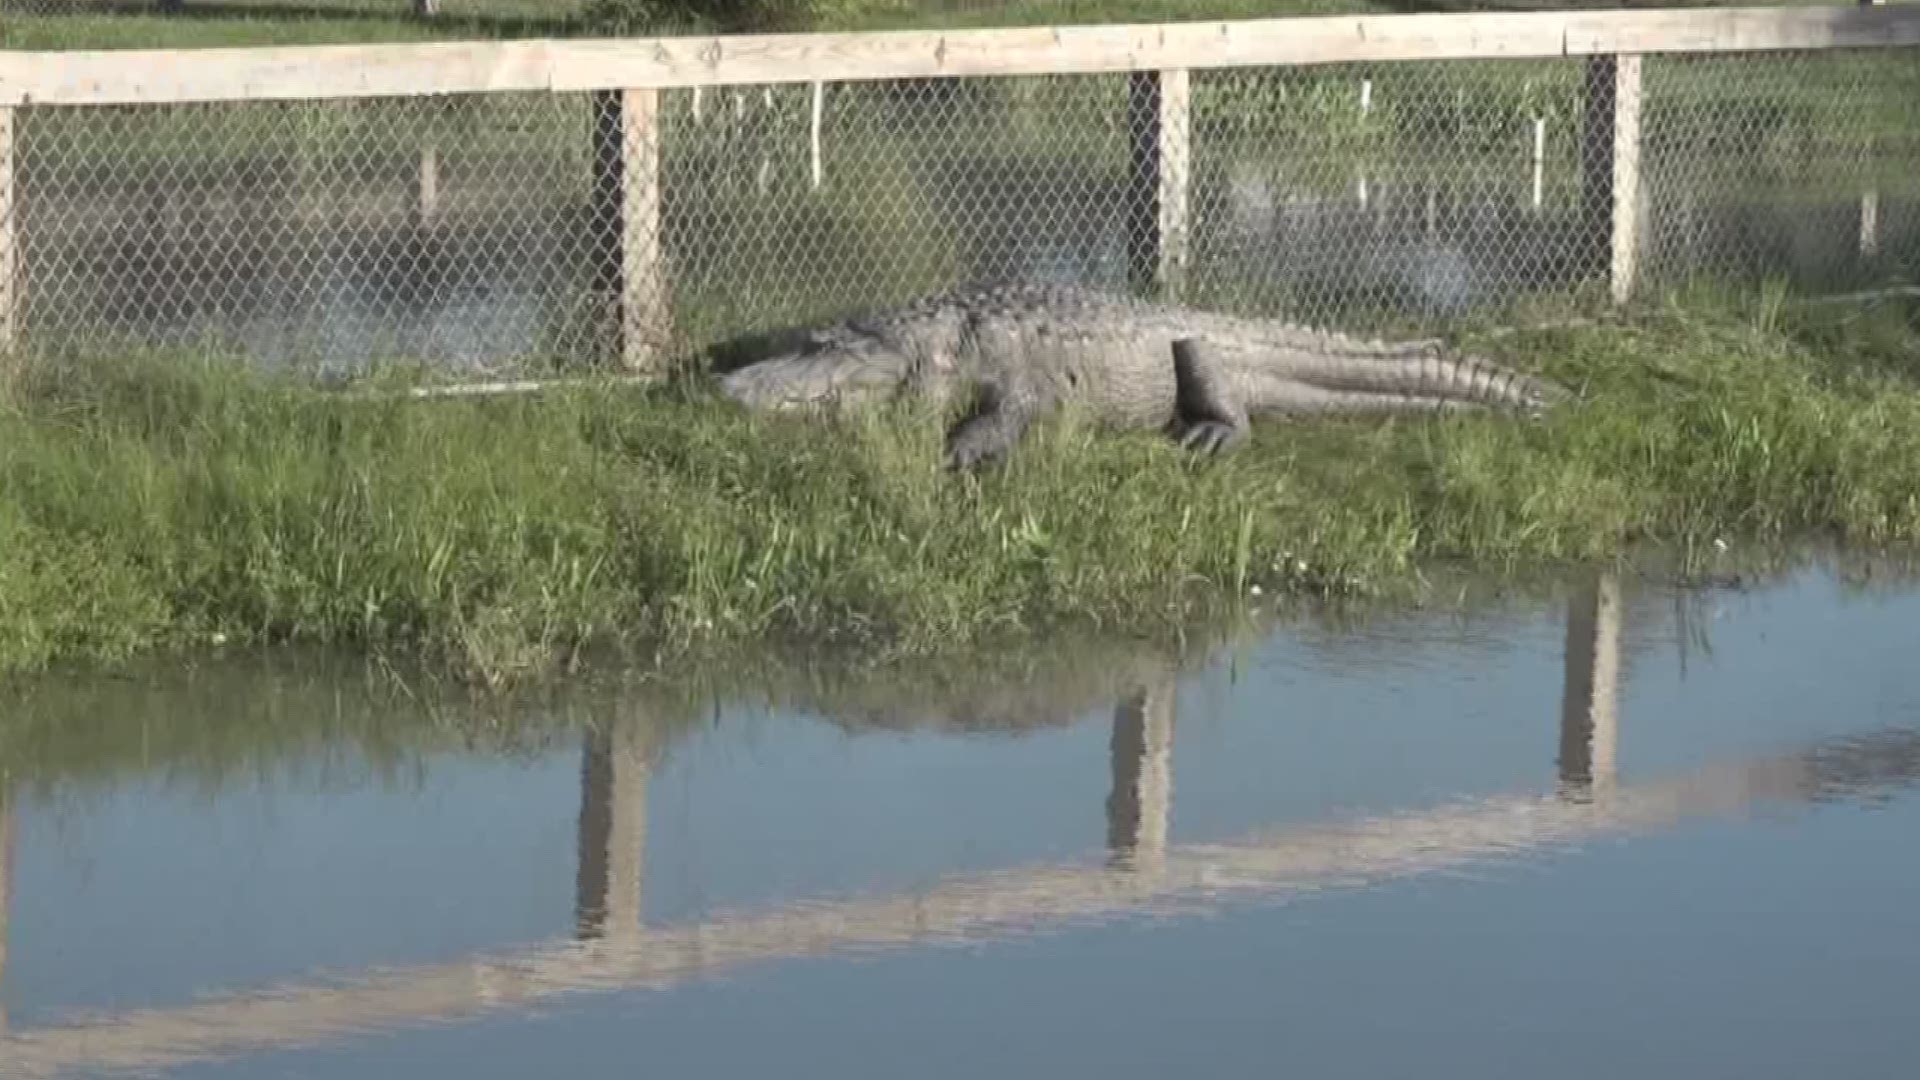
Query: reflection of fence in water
x,y
452,203
6,884
614,949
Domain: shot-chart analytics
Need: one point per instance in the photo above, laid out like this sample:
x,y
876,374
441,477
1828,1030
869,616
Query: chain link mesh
x,y
500,230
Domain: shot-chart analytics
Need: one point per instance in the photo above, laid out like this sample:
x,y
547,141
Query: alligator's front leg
x,y
998,423
1208,414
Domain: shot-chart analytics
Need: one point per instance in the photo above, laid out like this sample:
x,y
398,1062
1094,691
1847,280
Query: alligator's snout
x,y
751,387
812,377
777,384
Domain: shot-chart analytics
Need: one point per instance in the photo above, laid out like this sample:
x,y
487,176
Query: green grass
x,y
77,32
324,22
963,15
174,502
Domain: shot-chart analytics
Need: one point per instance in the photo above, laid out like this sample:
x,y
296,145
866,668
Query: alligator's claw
x,y
1211,436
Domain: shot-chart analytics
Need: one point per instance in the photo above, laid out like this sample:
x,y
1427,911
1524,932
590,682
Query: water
x,y
1630,830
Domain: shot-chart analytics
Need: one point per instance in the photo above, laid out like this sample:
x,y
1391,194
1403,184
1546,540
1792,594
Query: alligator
x,y
1017,353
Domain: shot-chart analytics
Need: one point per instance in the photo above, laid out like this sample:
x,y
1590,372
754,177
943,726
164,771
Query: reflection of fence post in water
x,y
6,887
1610,166
613,830
1157,125
625,219
9,232
1589,710
1141,798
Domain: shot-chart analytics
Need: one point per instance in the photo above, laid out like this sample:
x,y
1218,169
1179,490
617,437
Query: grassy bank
x,y
178,502
312,715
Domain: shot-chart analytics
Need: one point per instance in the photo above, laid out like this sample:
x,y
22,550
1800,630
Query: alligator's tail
x,y
822,374
1415,377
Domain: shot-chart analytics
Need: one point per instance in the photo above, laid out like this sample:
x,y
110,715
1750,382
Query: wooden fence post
x,y
1610,165
626,222
1157,190
9,232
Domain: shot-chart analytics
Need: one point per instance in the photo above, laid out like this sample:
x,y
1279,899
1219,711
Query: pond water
x,y
1624,830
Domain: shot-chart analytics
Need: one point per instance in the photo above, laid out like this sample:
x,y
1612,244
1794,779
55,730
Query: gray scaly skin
x,y
1018,353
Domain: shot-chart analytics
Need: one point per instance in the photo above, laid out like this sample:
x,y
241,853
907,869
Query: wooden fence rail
x,y
347,71
628,73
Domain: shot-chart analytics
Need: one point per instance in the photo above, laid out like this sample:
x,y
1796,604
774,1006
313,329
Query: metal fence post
x,y
429,183
1869,223
1157,189
1610,165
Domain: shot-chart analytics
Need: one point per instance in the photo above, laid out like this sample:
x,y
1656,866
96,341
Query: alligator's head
x,y
822,369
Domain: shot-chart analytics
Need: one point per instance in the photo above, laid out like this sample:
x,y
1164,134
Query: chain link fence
x,y
493,232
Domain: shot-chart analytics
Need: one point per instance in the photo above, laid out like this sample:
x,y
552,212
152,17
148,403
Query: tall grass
x,y
176,501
